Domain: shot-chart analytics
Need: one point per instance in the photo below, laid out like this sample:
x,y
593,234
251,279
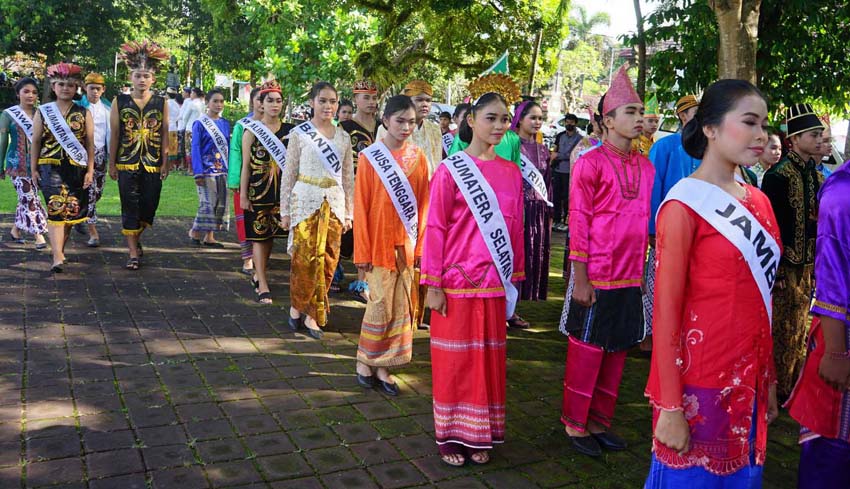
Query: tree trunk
x,y
641,79
737,22
533,69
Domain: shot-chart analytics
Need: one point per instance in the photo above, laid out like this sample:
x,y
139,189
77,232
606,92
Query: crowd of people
x,y
702,247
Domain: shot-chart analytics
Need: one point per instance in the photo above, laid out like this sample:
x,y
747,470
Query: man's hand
x,y
583,293
113,172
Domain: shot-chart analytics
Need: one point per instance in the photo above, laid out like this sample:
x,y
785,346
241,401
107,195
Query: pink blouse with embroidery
x,y
455,257
712,351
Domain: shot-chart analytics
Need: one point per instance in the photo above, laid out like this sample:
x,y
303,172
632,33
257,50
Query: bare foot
x,y
454,459
481,457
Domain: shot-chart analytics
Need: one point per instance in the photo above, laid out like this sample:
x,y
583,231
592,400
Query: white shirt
x,y
173,115
100,116
191,111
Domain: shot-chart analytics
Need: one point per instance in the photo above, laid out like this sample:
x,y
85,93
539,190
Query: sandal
x,y
132,264
452,454
481,457
20,239
264,297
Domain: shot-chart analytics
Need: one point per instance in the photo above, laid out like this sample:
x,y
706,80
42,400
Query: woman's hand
x,y
772,405
346,226
113,172
436,300
672,431
583,293
244,203
88,179
285,221
834,371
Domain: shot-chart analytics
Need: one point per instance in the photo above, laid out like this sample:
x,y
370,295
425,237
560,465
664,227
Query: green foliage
x,y
802,47
233,111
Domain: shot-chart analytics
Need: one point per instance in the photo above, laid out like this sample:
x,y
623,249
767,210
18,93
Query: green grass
x,y
179,197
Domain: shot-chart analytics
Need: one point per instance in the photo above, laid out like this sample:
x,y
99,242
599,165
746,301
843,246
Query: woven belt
x,y
323,182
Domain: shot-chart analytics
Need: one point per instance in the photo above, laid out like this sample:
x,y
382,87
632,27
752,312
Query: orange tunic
x,y
379,230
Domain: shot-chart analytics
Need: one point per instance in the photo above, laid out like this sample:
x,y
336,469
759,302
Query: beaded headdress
x,y
144,56
365,86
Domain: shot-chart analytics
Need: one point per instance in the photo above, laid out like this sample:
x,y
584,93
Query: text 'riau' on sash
x,y
532,175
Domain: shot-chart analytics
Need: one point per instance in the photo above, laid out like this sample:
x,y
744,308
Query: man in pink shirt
x,y
610,193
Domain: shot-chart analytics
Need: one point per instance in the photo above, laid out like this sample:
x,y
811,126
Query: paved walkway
x,y
172,377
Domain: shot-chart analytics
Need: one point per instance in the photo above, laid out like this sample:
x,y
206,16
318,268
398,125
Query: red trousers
x,y
247,248
591,384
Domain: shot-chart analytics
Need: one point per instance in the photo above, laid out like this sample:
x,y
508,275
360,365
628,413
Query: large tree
x,y
801,50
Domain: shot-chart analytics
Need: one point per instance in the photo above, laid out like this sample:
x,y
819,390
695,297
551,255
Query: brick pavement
x,y
172,377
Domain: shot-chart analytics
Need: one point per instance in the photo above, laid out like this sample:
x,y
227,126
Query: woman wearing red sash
x,y
384,252
712,383
467,295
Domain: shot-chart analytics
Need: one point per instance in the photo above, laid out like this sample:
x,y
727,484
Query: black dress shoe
x,y
366,381
610,441
586,445
387,388
294,323
316,334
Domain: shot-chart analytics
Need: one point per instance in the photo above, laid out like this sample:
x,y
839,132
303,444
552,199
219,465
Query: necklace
x,y
629,187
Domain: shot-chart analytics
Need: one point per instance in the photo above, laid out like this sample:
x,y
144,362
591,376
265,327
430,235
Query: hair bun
x,y
693,139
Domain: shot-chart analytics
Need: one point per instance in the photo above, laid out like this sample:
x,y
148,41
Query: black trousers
x,y
561,194
139,191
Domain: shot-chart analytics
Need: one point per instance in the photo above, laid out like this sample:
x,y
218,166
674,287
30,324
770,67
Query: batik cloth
x,y
174,152
386,333
315,254
468,370
212,202
99,180
30,216
61,181
791,300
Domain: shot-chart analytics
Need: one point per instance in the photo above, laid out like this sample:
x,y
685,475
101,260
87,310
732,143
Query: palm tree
x,y
581,27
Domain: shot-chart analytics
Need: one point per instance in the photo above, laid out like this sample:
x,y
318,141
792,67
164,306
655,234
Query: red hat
x,y
365,86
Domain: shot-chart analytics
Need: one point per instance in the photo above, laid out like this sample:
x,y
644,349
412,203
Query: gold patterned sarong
x,y
790,313
386,334
315,254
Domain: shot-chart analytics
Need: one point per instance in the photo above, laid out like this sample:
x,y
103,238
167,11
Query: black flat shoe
x,y
57,268
586,445
195,241
366,381
610,441
294,323
214,244
315,333
387,388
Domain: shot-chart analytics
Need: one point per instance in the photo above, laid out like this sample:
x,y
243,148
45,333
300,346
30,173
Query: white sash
x,y
448,138
324,147
273,145
21,119
482,202
216,135
532,175
397,186
737,224
63,134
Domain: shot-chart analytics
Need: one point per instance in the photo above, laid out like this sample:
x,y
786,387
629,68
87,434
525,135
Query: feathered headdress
x,y
145,55
500,83
64,71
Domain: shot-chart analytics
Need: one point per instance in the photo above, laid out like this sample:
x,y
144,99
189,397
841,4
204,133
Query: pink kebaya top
x,y
609,215
455,257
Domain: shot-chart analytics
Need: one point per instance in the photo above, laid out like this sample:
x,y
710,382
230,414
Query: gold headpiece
x,y
415,87
145,55
270,86
95,78
500,83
